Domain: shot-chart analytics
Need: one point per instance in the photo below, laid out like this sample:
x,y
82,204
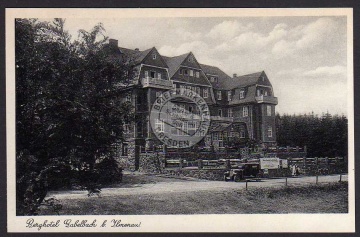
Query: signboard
x,y
269,163
284,163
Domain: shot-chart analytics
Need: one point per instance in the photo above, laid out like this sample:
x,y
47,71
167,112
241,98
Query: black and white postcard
x,y
180,120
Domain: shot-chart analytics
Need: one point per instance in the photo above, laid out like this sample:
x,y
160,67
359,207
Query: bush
x,y
109,171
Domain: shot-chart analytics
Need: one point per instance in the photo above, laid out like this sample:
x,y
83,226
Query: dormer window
x,y
159,75
152,74
219,95
180,71
191,73
213,79
154,56
242,94
205,93
186,72
245,111
229,96
197,74
258,92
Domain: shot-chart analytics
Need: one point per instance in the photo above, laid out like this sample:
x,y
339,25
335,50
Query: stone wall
x,y
209,174
123,162
131,155
152,162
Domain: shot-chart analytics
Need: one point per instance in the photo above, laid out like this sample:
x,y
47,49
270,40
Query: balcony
x,y
154,82
219,118
266,99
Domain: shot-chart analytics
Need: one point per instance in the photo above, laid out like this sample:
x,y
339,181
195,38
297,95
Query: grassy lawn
x,y
322,198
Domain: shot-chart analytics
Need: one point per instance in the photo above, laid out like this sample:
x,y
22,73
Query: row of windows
x,y
186,128
191,127
229,95
197,89
213,79
245,111
189,72
264,92
152,74
219,136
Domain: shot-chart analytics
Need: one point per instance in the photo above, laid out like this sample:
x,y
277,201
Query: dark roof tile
x,y
174,63
222,76
135,55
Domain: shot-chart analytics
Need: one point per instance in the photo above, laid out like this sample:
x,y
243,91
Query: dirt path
x,y
140,184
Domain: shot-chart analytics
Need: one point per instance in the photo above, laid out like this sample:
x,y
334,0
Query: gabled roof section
x,y
192,63
245,80
174,62
135,56
215,71
158,61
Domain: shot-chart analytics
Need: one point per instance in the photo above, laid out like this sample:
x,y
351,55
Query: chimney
x,y
137,49
234,75
113,42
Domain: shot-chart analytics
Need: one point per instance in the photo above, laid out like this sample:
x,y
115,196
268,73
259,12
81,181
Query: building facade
x,y
242,108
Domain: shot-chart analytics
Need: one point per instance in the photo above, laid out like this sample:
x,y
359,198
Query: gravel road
x,y
139,184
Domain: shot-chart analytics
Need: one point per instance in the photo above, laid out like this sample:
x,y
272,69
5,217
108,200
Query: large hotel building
x,y
241,106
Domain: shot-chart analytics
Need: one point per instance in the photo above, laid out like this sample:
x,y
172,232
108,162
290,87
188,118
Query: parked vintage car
x,y
243,171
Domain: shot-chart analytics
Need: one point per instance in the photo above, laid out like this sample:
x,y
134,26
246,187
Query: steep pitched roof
x,y
174,63
227,82
135,55
245,80
222,76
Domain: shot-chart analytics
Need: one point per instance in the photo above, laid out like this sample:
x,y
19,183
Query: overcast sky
x,y
304,57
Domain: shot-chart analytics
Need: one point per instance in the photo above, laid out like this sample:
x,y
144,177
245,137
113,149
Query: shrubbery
x,y
68,109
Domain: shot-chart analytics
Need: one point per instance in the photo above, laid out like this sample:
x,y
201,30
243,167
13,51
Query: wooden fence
x,y
307,166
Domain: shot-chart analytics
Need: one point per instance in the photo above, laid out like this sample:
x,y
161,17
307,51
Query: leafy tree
x,y
68,108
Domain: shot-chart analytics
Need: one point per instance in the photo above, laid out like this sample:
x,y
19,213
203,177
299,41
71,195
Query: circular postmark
x,y
180,118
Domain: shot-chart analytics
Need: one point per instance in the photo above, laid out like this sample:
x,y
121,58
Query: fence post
x,y
181,163
327,162
286,181
228,165
200,164
340,177
246,184
165,149
317,177
304,165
